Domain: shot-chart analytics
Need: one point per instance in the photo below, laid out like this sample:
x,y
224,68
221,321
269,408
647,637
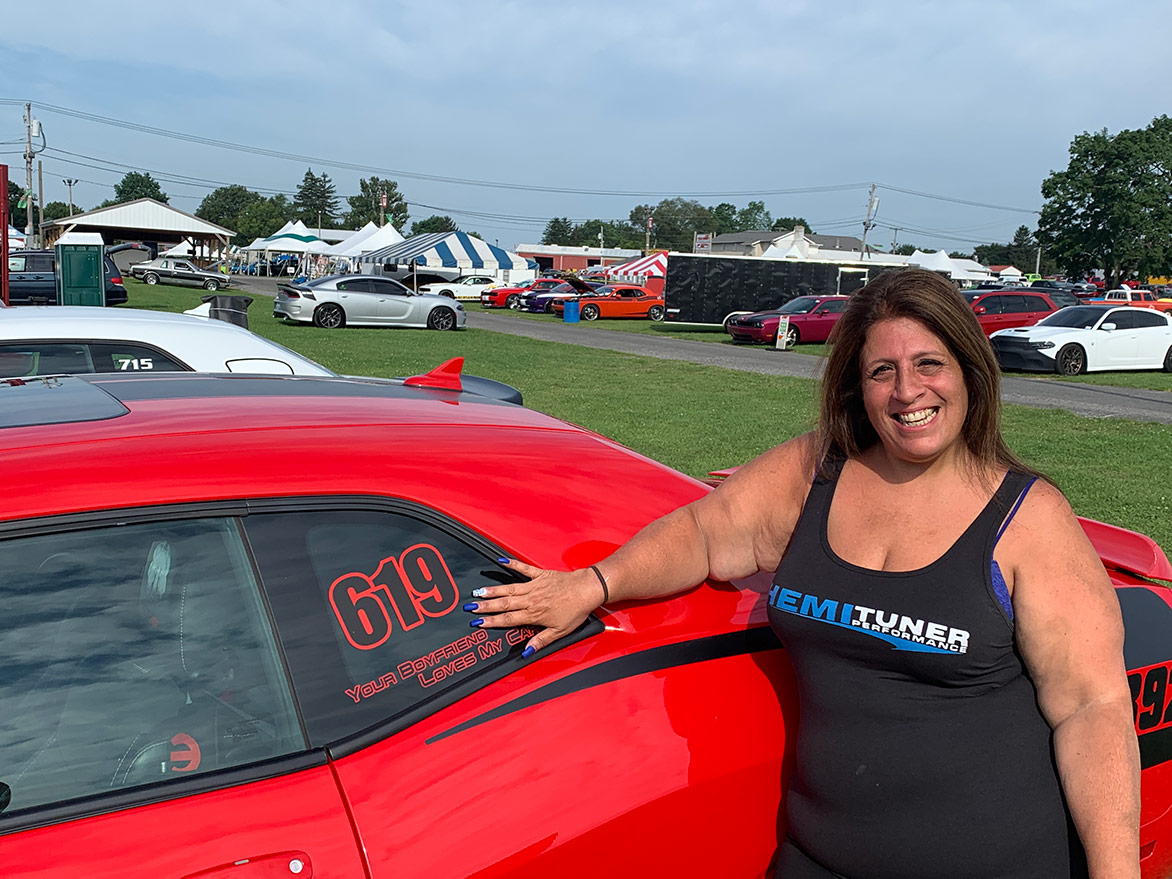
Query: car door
x,y
993,317
394,304
355,296
1117,348
1153,338
149,727
816,326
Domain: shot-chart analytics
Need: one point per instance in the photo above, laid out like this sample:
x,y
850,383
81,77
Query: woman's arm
x,y
1070,632
738,529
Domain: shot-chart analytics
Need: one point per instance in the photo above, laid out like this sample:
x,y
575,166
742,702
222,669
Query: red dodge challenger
x,y
220,662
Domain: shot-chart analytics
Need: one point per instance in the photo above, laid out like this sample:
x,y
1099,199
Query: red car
x,y
811,318
507,297
1006,309
245,656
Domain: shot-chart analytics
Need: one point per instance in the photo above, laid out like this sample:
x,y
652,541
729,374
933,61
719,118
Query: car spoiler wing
x,y
1120,549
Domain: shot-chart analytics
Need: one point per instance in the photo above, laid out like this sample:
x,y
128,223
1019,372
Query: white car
x,y
1089,338
365,301
75,339
465,287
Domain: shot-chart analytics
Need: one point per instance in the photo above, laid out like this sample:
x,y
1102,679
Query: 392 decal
x,y
1151,699
403,592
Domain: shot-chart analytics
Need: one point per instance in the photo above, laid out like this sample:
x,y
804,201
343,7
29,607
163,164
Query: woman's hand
x,y
558,601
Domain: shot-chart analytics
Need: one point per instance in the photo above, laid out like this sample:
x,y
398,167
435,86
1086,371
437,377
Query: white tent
x,y
15,238
939,261
456,250
369,237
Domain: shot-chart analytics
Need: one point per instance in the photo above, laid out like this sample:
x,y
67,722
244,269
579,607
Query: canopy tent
x,y
358,237
654,265
289,242
939,261
453,250
15,238
378,238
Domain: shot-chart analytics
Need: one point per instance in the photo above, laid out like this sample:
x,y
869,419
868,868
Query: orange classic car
x,y
617,300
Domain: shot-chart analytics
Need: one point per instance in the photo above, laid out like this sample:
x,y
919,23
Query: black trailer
x,y
707,289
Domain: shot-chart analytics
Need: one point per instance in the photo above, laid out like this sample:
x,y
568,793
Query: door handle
x,y
279,865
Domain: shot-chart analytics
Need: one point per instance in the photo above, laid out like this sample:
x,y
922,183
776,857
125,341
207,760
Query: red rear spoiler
x,y
446,376
1119,548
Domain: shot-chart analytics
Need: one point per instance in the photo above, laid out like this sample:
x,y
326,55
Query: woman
x,y
957,644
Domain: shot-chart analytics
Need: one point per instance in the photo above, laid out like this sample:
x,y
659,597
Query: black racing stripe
x,y
1155,748
645,661
1147,620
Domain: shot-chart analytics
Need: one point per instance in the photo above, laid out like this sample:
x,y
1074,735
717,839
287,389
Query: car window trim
x,y
161,791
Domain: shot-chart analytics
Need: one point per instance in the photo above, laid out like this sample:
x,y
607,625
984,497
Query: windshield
x,y
801,305
1081,316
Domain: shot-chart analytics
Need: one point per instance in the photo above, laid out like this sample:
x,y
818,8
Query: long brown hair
x,y
844,430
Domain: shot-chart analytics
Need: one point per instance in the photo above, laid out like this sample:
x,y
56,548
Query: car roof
x,y
189,337
199,438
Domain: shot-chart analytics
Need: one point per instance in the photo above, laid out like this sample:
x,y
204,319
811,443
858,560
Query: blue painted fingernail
x,y
479,622
527,652
478,593
471,605
502,561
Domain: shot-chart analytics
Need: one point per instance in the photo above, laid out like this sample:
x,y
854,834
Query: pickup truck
x,y
1127,296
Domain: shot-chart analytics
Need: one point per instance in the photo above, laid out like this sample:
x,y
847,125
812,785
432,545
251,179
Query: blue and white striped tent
x,y
452,250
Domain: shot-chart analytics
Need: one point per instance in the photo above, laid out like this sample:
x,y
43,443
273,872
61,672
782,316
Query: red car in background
x,y
507,297
263,669
1006,309
616,300
811,318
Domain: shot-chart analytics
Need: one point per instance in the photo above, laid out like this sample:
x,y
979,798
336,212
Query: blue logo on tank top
x,y
902,632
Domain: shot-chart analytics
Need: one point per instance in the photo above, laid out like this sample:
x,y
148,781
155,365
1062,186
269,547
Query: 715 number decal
x,y
403,591
1152,701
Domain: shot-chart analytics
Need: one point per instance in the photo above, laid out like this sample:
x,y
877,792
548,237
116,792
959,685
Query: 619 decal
x,y
418,585
1151,699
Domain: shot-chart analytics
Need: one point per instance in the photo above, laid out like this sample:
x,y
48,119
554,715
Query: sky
x,y
530,110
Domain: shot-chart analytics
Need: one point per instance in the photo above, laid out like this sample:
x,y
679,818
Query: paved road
x,y
1093,401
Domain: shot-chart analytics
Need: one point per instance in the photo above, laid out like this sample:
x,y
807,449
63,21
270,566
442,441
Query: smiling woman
x,y
942,608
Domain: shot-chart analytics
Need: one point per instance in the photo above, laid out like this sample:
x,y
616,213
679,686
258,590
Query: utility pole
x,y
40,201
1038,262
647,238
894,235
601,240
69,181
28,173
872,209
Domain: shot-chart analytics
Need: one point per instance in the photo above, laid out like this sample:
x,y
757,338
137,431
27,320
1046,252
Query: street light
x,y
69,181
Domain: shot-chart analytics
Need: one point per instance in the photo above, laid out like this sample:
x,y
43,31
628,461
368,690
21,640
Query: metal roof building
x,y
142,220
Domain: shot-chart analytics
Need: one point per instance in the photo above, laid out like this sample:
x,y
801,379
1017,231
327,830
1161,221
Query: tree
x,y
1021,252
366,206
222,206
724,218
615,233
260,219
316,201
754,216
558,231
786,224
136,185
676,220
17,215
434,223
55,210
905,249
1111,209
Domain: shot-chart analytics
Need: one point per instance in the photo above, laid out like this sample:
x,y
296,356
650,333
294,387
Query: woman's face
x,y
913,390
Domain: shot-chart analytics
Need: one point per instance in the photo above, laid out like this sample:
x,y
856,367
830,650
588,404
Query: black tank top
x,y
921,751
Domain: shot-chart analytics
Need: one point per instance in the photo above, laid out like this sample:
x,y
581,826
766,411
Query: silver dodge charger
x,y
365,301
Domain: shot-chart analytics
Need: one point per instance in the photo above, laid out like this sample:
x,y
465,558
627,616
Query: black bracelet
x,y
602,580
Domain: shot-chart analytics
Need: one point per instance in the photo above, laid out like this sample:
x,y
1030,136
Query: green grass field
x,y
700,418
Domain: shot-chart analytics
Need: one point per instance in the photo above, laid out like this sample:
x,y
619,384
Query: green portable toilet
x,y
80,279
